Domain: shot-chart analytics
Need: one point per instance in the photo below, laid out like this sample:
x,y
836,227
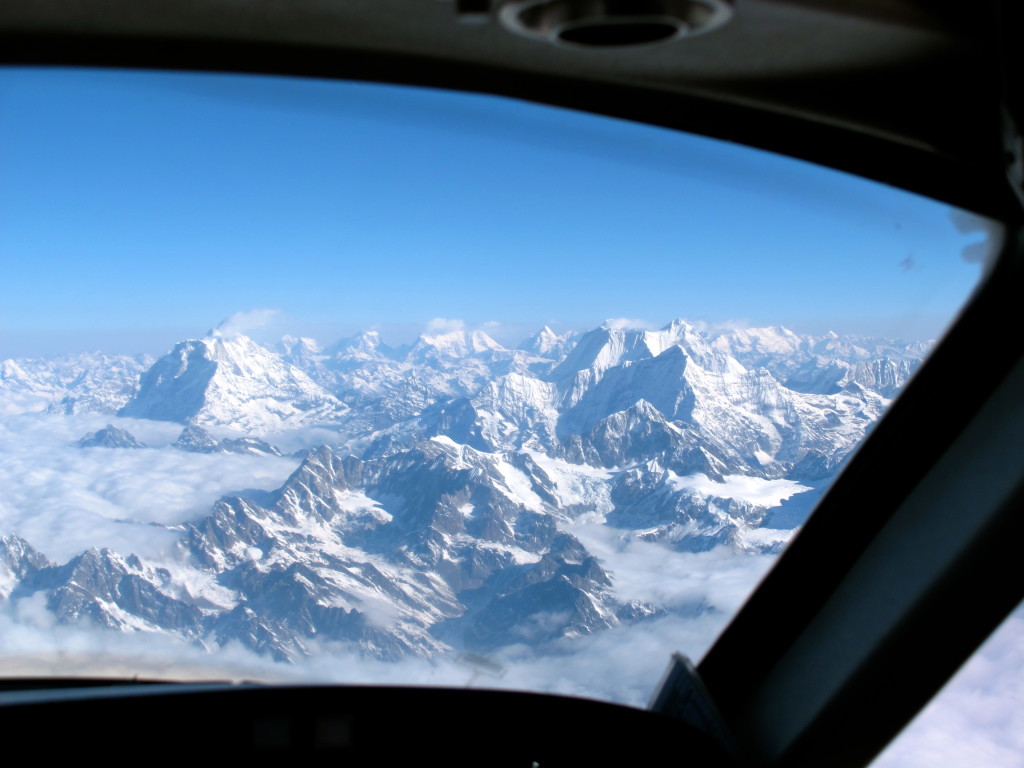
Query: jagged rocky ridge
x,y
197,440
414,553
441,517
86,383
110,437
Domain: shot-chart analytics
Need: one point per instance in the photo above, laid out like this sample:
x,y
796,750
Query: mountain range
x,y
441,514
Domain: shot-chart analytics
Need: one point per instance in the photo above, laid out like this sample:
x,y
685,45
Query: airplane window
x,y
350,382
976,719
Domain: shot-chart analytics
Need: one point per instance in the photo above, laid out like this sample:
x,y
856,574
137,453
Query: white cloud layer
x,y
244,322
629,323
623,664
441,325
63,499
642,570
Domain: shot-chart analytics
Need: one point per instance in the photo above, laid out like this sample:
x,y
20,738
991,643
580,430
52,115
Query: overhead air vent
x,y
613,23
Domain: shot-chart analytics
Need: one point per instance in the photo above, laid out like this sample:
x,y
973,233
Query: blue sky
x,y
140,208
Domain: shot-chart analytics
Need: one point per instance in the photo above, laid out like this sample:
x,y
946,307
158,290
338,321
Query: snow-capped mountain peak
x,y
231,380
607,347
294,348
366,345
455,344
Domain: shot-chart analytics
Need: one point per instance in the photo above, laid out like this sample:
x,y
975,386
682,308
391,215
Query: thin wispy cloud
x,y
439,325
246,322
629,323
709,328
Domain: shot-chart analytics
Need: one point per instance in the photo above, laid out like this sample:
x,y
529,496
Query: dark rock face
x,y
19,563
403,555
174,389
102,587
195,439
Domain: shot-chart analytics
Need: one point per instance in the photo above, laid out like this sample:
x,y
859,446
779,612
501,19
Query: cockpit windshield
x,y
367,383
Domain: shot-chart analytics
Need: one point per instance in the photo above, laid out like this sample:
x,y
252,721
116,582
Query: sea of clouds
x,y
64,499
